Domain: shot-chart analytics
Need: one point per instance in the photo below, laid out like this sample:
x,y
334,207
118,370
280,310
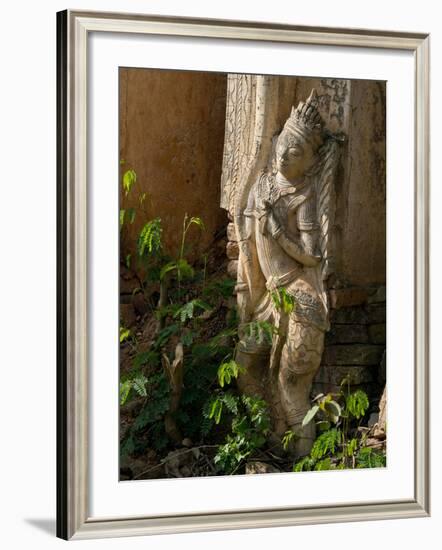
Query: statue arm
x,y
299,252
303,251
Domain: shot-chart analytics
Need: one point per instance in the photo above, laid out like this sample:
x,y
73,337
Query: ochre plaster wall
x,y
171,134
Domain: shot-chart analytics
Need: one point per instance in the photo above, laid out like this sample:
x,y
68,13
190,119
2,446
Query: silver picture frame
x,y
73,519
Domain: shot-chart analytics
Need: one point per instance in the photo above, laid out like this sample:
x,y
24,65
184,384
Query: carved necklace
x,y
276,188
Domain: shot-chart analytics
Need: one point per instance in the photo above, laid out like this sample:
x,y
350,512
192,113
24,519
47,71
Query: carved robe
x,y
294,211
280,217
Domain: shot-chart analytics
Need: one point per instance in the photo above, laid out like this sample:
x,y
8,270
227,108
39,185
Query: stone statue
x,y
284,248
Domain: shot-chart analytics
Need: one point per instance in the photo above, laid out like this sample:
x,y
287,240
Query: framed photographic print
x,y
242,275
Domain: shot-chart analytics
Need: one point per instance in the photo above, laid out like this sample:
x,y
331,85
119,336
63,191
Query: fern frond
x,y
187,310
283,301
260,331
129,178
326,443
357,403
231,402
149,240
229,370
139,385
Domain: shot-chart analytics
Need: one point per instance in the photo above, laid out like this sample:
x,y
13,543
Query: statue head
x,y
300,140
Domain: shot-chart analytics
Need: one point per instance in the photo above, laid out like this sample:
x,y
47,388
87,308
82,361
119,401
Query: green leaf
x,y
149,240
260,331
333,410
323,425
369,458
357,403
187,310
224,288
216,409
196,221
327,442
139,385
324,465
185,270
122,215
310,415
150,357
231,402
128,258
352,446
125,334
287,438
125,388
131,215
229,370
171,266
188,337
306,464
283,301
164,335
129,178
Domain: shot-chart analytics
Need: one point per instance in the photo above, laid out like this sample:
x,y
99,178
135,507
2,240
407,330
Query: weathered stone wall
x,y
172,134
355,345
357,108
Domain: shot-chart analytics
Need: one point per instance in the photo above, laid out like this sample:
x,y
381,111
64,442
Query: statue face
x,y
294,156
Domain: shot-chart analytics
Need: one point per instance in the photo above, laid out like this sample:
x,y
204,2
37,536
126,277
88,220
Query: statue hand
x,y
273,227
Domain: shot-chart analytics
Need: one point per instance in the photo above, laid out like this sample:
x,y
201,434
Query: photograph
x,y
252,274
243,274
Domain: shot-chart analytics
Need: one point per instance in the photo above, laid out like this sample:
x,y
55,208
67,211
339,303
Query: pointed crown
x,y
306,120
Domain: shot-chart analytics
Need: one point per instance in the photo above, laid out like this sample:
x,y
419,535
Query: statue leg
x,y
255,360
300,360
256,382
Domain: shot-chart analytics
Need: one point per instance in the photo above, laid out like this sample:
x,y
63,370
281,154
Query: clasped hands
x,y
269,223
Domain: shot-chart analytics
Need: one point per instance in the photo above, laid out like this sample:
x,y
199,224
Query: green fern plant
x,y
249,430
129,179
340,446
149,240
283,301
188,310
260,331
228,371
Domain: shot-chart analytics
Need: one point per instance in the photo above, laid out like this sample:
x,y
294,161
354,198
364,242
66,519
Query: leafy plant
x,y
129,178
138,384
370,458
228,371
357,403
187,311
149,240
283,301
155,391
287,438
187,224
125,334
343,445
223,288
326,443
250,426
260,331
181,267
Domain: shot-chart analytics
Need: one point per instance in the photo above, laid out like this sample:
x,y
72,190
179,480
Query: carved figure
x,y
285,248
